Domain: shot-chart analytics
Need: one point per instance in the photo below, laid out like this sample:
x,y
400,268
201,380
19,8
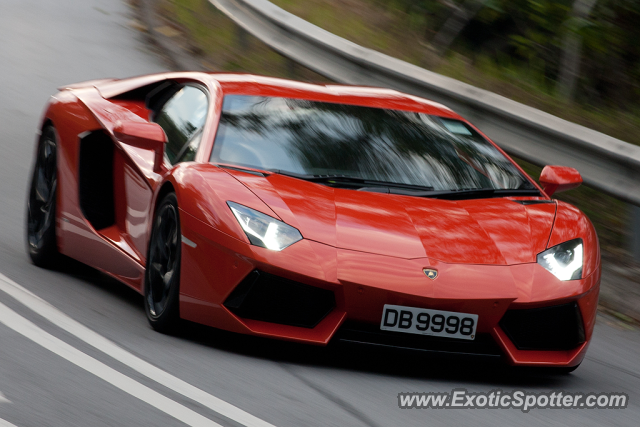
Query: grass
x,y
222,46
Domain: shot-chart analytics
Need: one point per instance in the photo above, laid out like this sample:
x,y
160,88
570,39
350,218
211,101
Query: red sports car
x,y
314,213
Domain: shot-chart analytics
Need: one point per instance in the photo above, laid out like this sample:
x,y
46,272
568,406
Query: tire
x,y
41,202
162,275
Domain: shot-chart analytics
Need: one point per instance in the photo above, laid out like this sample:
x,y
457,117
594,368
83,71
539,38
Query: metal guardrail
x,y
606,163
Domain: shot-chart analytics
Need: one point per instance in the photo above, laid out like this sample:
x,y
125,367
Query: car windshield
x,y
311,138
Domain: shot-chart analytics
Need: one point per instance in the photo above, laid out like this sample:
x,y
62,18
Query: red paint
x,y
368,248
149,136
555,179
571,224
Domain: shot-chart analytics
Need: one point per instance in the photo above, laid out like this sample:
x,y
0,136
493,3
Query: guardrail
x,y
606,163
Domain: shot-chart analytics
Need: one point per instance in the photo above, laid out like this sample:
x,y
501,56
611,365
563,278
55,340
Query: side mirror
x,y
145,135
555,179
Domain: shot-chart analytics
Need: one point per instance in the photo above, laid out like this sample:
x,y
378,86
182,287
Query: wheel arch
x,y
168,317
166,188
47,121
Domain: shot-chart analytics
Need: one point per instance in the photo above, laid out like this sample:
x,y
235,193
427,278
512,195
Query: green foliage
x,y
532,33
539,39
611,54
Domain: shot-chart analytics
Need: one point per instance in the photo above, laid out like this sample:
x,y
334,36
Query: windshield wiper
x,y
317,178
482,193
346,181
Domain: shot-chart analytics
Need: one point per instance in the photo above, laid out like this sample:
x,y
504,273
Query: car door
x,y
182,117
105,214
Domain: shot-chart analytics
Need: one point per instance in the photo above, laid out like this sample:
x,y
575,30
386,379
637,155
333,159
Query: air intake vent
x,y
548,328
270,298
95,179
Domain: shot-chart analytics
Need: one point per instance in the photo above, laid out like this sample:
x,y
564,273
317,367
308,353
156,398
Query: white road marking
x,y
3,398
99,342
4,423
25,327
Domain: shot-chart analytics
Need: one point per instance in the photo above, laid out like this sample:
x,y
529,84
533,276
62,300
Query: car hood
x,y
480,231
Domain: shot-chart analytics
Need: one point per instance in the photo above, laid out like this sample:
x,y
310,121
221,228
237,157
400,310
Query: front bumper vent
x,y
548,328
370,334
269,298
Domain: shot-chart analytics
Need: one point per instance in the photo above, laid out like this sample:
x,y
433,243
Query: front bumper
x,y
363,283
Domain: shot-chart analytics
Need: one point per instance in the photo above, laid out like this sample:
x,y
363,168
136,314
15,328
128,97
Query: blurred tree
x,y
538,36
583,50
572,47
430,13
459,19
611,55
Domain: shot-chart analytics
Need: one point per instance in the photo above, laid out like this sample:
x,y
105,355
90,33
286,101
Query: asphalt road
x,y
90,358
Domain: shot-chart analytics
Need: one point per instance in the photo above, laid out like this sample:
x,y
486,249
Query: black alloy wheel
x,y
162,277
41,203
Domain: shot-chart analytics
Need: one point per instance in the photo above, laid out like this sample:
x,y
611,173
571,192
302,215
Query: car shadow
x,y
376,360
100,281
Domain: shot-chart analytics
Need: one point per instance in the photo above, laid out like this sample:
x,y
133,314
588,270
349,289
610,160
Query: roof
x,y
250,84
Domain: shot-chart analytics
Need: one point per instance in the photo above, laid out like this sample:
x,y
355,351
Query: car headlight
x,y
564,260
263,230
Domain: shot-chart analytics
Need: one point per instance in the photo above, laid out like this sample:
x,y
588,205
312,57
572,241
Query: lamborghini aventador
x,y
313,213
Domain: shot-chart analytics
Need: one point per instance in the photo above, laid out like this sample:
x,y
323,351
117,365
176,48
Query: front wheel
x,y
41,203
162,276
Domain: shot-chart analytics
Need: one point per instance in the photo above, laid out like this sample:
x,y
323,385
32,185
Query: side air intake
x,y
270,298
548,328
96,179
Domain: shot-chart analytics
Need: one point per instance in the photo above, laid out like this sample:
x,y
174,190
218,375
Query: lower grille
x,y
548,328
270,298
361,333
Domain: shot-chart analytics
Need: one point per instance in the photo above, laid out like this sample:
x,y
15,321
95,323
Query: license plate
x,y
423,321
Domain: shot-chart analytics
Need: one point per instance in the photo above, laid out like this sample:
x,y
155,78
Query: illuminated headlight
x,y
263,230
564,260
